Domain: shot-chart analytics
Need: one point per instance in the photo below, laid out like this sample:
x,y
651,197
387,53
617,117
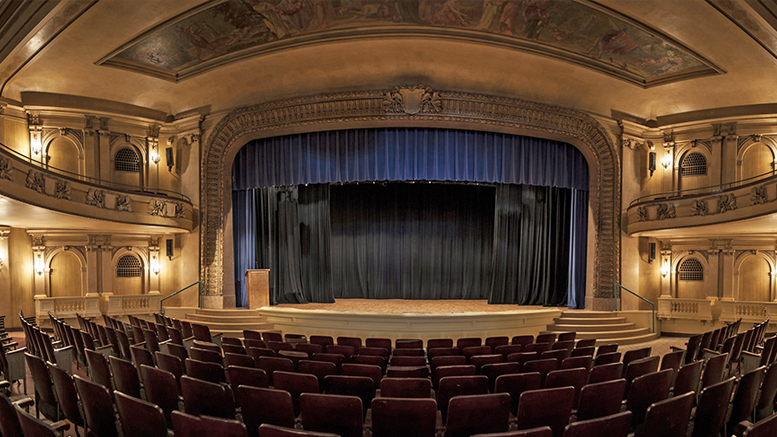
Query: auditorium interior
x,y
400,182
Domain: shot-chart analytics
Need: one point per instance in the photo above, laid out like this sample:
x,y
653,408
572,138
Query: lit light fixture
x,y
664,270
155,156
39,265
666,161
36,132
155,265
2,261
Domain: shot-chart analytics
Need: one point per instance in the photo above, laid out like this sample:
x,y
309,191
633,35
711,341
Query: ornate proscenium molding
x,y
451,109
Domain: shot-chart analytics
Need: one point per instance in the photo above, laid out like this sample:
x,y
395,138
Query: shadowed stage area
x,y
403,306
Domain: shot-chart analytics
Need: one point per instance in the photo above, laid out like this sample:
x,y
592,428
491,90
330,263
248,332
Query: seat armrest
x,y
4,384
62,425
25,403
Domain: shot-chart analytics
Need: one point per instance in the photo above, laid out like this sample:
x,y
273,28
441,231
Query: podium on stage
x,y
258,288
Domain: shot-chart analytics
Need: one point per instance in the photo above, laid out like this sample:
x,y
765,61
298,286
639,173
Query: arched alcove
x,y
693,171
65,275
129,274
756,160
63,155
755,280
691,279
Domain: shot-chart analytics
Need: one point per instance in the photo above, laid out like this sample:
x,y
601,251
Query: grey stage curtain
x,y
531,245
412,241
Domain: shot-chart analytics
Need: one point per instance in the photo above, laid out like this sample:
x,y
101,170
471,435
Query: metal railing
x,y
705,190
161,302
653,311
95,181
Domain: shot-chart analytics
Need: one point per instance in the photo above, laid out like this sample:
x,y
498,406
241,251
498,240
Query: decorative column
x,y
92,267
106,269
154,266
39,265
727,272
666,270
714,261
728,153
5,268
104,146
668,163
152,151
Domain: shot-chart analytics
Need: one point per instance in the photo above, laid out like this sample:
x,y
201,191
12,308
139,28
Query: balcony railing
x,y
66,307
688,309
98,183
714,189
134,304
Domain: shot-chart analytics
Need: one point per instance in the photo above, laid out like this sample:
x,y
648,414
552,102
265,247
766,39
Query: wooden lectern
x,y
258,288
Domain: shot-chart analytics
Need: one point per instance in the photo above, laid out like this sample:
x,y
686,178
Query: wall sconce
x,y
39,265
155,156
35,139
666,161
664,270
155,265
2,262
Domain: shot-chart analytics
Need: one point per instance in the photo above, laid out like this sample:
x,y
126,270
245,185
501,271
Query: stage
x,y
397,318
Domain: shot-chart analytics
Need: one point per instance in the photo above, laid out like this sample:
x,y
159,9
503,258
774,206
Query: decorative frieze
x,y
156,207
642,214
412,100
36,181
727,202
123,203
758,195
699,207
62,189
96,198
6,168
665,211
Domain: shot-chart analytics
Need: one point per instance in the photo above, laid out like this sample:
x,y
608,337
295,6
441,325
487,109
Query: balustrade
x,y
117,305
66,307
690,309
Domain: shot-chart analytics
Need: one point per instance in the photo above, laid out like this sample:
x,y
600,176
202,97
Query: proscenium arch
x,y
367,109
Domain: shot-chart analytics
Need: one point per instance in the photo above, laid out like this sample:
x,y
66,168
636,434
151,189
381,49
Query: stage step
x,y
230,322
603,326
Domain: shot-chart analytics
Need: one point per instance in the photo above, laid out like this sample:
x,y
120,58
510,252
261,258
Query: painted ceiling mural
x,y
582,32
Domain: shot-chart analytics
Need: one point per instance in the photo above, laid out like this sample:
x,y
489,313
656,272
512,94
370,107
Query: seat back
x,y
271,336
295,384
745,397
45,399
616,425
409,343
140,418
434,343
645,390
463,343
125,376
98,408
206,355
206,398
584,361
9,421
576,378
764,428
669,417
481,360
161,389
472,414
244,360
523,340
515,385
271,364
452,386
637,368
67,397
267,430
712,408
318,368
344,385
601,399
713,370
605,372
407,361
542,366
765,406
494,370
403,417
369,370
342,415
383,343
612,357
204,370
673,360
606,349
406,388
322,340
32,427
354,342
447,360
455,370
265,405
546,407
688,378
99,369
249,376
375,351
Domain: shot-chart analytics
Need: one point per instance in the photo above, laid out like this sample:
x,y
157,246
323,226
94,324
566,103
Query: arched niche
x,y
125,282
65,273
693,169
121,173
64,153
692,277
757,160
755,277
384,108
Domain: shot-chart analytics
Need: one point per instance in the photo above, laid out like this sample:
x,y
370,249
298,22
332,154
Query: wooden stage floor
x,y
406,306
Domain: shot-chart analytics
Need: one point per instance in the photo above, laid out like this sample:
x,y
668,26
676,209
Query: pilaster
x,y
727,274
5,268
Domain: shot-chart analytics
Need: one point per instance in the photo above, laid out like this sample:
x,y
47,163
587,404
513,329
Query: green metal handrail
x,y
653,311
162,311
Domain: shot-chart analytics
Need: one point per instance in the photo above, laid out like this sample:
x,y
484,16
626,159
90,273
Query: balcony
x,y
738,207
28,184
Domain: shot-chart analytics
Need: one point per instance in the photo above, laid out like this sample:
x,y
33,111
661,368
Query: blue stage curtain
x,y
362,155
270,177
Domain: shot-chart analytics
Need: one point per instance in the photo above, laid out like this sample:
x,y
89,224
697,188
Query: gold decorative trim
x,y
456,109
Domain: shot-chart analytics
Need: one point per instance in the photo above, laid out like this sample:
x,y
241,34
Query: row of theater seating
x,y
558,379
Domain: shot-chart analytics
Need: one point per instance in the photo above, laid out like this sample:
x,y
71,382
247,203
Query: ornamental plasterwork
x,y
642,214
366,109
699,207
61,189
156,207
36,181
123,203
758,195
178,210
96,198
727,203
6,168
665,211
413,100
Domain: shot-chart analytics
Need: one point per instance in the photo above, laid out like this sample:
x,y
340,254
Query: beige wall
x,y
17,135
754,280
63,155
21,272
65,276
